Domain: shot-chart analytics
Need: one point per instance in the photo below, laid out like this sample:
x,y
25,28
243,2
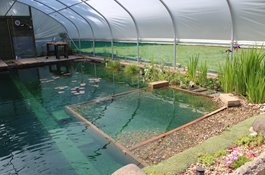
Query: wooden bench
x,y
56,46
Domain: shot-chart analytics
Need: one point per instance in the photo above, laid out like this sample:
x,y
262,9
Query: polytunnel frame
x,y
232,29
136,27
14,2
78,32
174,30
135,23
69,7
49,16
109,26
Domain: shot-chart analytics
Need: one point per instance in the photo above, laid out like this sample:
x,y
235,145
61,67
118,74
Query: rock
x,y
259,125
130,169
229,100
252,132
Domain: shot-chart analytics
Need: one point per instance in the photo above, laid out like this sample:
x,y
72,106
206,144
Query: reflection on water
x,y
37,136
138,113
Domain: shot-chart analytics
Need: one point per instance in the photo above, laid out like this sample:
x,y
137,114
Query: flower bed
x,y
226,161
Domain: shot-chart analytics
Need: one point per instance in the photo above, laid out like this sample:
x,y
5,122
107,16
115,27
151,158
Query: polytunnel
x,y
203,22
142,87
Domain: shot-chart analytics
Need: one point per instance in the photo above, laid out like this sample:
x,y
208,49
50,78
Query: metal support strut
x,y
93,33
136,27
175,32
232,30
111,32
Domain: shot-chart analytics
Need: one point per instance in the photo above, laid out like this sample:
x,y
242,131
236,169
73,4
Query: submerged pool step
x,y
78,161
60,115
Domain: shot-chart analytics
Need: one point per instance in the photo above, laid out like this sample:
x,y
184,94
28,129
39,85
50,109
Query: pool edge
x,y
125,150
176,129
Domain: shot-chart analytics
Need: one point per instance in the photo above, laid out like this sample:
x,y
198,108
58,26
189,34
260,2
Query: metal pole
x,y
111,32
175,32
78,32
93,34
232,29
53,18
136,27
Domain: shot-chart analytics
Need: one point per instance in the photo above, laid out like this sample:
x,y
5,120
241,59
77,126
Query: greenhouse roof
x,y
152,19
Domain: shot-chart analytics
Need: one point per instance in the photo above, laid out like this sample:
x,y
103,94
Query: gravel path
x,y
166,147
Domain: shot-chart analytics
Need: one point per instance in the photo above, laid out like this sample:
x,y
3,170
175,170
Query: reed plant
x,y
227,76
192,67
202,76
245,75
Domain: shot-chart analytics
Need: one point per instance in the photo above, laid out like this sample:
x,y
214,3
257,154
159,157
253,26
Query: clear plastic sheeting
x,y
152,18
45,27
198,21
120,21
82,25
19,10
97,22
5,6
71,28
55,5
201,19
249,19
37,5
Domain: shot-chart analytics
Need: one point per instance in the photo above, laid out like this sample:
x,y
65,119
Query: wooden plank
x,y
27,61
3,64
158,84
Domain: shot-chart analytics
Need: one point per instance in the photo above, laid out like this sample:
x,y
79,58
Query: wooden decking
x,y
24,62
3,64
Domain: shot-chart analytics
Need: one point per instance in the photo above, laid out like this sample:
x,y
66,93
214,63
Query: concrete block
x,y
229,100
158,84
130,169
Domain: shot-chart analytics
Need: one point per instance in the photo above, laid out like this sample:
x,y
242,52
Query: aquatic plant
x,y
202,75
226,76
245,75
114,66
192,67
132,71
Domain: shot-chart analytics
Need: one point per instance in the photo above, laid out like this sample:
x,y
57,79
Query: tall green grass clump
x,y
203,70
245,75
192,67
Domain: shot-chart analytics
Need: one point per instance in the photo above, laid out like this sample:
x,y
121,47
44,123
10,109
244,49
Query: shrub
x,y
239,162
251,140
207,159
220,153
114,66
132,71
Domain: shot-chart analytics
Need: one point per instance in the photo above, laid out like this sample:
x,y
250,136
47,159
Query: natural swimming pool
x,y
38,136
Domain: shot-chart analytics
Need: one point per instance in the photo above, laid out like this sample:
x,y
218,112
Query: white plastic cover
x,y
120,21
249,20
4,6
152,18
45,27
196,20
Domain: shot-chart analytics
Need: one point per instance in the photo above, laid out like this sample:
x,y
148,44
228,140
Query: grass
x,y
161,53
183,160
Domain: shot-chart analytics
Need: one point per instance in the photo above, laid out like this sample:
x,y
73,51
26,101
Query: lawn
x,y
160,53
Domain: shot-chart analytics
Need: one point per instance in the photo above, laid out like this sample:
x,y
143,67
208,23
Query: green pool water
x,y
135,117
37,136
